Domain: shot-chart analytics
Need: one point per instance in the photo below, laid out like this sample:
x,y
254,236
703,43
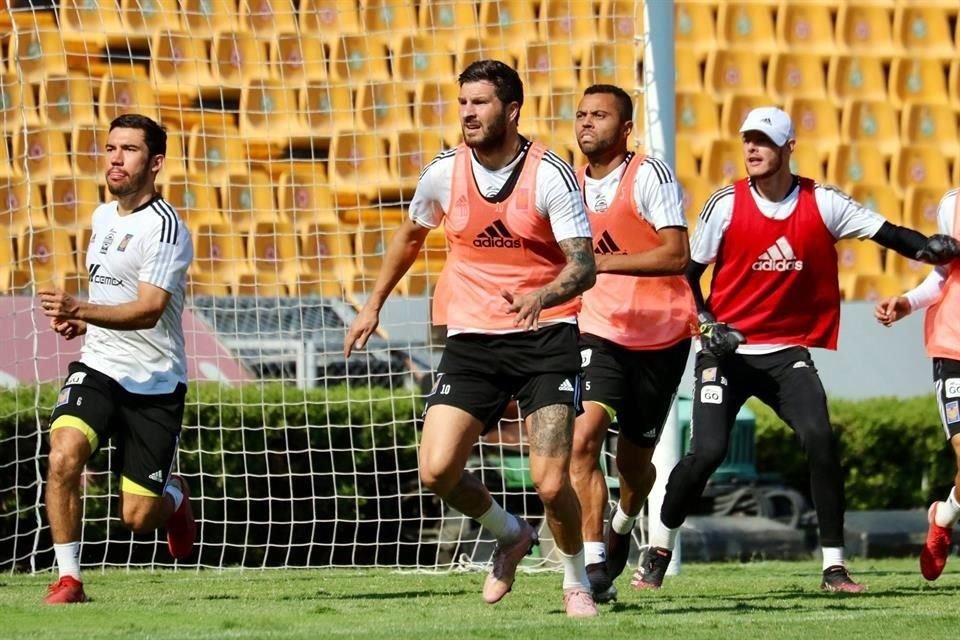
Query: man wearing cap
x,y
774,293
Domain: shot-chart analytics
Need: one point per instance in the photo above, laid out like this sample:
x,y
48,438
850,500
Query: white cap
x,y
772,122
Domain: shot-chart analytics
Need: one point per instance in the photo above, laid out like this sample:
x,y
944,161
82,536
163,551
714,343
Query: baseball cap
x,y
773,122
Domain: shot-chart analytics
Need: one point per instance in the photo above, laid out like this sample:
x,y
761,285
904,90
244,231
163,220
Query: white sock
x,y
832,556
174,492
594,552
68,559
574,571
620,522
504,526
664,537
948,510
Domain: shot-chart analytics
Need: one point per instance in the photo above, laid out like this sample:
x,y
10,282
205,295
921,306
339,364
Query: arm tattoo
x,y
577,276
551,431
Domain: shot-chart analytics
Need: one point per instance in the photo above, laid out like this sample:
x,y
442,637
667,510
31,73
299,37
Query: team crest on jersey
x,y
952,411
107,241
124,242
585,356
64,396
709,375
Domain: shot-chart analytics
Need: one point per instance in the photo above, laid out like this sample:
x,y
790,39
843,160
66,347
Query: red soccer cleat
x,y
181,527
933,556
66,590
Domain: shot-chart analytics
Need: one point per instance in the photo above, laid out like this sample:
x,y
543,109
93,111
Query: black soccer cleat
x,y
652,569
837,580
600,583
618,551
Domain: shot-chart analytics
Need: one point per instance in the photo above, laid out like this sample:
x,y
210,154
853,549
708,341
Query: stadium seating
x,y
329,18
696,191
806,27
245,198
17,106
65,101
909,272
266,18
930,124
359,58
304,198
34,52
917,80
873,288
695,29
920,205
856,77
70,201
747,26
383,107
817,123
924,31
40,152
697,120
204,18
543,65
87,143
420,59
447,20
880,198
871,122
796,75
22,205
435,108
568,21
236,58
508,23
410,151
120,94
609,63
921,165
140,21
853,164
730,72
325,108
390,17
865,28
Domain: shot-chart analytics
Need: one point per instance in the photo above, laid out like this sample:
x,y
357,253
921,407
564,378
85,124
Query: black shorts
x,y
146,428
946,377
480,373
638,385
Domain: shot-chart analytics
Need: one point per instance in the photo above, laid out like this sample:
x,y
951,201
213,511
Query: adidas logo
x,y
652,433
779,257
156,475
565,386
606,245
496,236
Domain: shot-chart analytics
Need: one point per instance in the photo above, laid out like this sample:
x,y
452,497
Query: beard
x,y
133,185
493,137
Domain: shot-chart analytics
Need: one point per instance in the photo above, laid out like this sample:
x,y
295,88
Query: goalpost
x,y
297,131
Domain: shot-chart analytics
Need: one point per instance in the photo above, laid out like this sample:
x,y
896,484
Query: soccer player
x,y
130,381
939,293
771,238
636,323
519,256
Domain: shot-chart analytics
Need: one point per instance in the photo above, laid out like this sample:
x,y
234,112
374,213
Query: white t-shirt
x,y
928,291
843,216
655,190
151,245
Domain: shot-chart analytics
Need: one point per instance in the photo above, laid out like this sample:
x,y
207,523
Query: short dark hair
x,y
154,134
503,77
624,103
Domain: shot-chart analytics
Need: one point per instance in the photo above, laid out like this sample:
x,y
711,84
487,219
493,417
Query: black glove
x,y
718,338
940,249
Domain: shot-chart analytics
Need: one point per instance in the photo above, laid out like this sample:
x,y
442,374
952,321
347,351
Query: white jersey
x,y
152,245
928,291
655,191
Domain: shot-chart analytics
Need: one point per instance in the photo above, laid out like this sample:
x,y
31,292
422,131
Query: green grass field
x,y
757,600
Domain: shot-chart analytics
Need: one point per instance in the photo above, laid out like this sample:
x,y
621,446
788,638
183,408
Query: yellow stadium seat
x,y
175,161
205,18
558,110
215,151
421,59
696,191
435,108
142,18
266,18
694,28
304,197
924,30
733,72
734,111
371,244
689,77
71,201
47,255
326,108
388,17
36,51
871,122
610,63
358,165
17,106
87,143
180,67
619,20
853,164
746,26
469,49
920,204
21,205
796,75
686,161
410,151
723,162
953,84
269,114
448,21
909,272
544,65
508,23
859,257
816,122
917,80
568,21
329,19
423,275
880,198
272,251
873,288
864,28
8,261
118,95
65,101
40,153
697,120
930,124
857,78
236,58
358,58
219,257
806,28
249,197
193,198
807,161
93,21
326,259
919,165
383,107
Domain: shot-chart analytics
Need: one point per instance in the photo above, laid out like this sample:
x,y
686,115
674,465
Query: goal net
x,y
296,134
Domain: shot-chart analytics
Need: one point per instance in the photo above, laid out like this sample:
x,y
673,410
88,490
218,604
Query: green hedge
x,y
893,451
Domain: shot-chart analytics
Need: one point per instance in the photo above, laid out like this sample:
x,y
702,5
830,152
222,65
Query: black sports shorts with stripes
x,y
638,385
946,377
481,373
145,428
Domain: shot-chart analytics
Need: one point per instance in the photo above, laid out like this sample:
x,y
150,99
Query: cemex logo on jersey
x,y
778,257
97,278
606,245
496,236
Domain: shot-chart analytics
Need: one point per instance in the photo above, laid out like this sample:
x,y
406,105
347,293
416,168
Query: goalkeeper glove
x,y
940,249
718,338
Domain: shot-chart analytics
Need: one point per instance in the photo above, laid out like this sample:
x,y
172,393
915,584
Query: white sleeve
x,y
945,212
928,291
167,252
559,199
432,196
657,193
714,222
844,216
